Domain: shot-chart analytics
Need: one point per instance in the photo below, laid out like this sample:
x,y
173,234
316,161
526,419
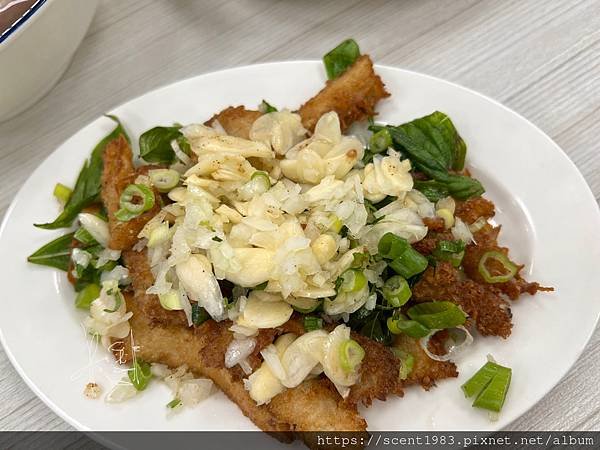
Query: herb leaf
x,y
56,253
88,185
340,58
155,144
433,190
434,147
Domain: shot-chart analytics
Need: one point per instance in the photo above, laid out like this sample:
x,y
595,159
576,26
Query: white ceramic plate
x,y
550,222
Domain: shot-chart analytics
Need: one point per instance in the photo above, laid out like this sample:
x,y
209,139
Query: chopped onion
x,y
119,274
185,159
238,350
124,390
81,257
461,231
97,227
453,349
191,392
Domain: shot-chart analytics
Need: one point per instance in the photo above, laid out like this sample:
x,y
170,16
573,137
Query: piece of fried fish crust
x,y
162,336
236,121
118,172
353,96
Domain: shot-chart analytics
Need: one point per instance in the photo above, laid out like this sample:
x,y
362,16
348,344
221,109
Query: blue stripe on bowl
x,y
11,29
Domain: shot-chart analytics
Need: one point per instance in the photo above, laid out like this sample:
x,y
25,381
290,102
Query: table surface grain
x,y
539,57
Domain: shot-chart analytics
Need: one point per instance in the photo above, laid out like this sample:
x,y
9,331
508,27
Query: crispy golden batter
x,y
378,373
322,408
352,96
472,209
486,307
163,336
426,371
118,172
237,121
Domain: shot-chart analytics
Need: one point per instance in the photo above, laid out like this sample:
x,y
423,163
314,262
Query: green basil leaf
x,y
340,58
433,190
56,253
88,185
434,147
155,144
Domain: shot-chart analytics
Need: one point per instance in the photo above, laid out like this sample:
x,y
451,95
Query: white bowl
x,y
36,52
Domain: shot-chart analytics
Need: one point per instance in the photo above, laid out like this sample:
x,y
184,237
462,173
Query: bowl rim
x,y
21,22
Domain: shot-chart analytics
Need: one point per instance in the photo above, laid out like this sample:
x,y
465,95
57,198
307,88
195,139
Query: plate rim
x,y
565,157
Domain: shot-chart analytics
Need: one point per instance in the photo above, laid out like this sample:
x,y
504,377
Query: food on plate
x,y
305,262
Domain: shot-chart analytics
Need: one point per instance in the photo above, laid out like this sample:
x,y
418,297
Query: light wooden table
x,y
539,57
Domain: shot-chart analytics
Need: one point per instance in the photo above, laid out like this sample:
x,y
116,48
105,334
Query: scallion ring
x,y
352,280
164,179
396,291
62,193
510,268
135,200
351,355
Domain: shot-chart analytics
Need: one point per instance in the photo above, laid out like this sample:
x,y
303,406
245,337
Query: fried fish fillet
x,y
118,172
163,336
425,371
353,96
485,306
237,121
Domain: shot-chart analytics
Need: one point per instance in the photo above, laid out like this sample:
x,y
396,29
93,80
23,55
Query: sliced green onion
x,y
312,323
474,385
451,251
391,246
351,355
396,291
164,179
140,374
262,177
494,394
304,305
437,315
87,295
352,280
409,263
509,267
406,261
174,403
380,141
144,201
62,193
199,314
407,363
170,300
118,301
412,328
84,236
